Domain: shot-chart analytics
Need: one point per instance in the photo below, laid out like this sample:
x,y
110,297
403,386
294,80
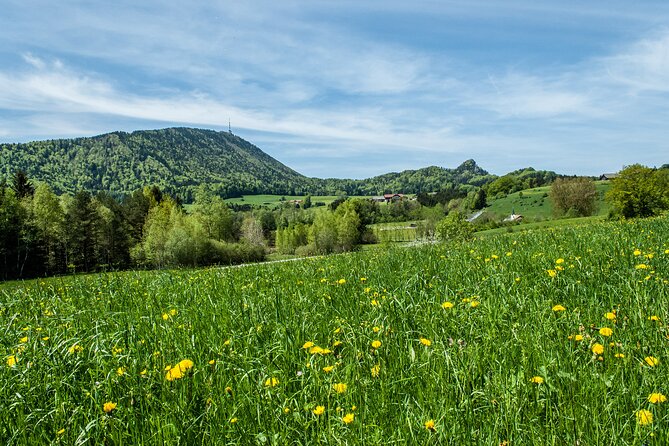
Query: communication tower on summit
x,y
229,127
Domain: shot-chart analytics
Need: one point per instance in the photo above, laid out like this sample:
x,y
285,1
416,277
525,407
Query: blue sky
x,y
352,89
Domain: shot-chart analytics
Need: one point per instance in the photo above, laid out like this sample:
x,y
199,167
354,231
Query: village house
x,y
608,176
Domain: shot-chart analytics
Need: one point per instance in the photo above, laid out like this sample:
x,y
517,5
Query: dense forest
x,y
179,160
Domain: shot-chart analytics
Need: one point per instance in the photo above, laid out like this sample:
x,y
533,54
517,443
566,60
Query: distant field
x,y
552,337
273,200
405,231
535,204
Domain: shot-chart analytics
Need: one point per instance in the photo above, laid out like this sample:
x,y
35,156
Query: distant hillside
x,y
428,179
178,160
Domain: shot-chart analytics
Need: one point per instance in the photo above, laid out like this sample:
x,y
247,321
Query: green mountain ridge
x,y
179,159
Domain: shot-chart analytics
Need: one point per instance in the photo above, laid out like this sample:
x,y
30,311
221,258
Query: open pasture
x,y
542,337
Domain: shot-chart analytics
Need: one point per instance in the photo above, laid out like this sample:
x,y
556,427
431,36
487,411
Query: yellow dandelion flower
x,y
348,418
173,312
11,361
233,420
558,307
375,303
597,349
429,425
605,331
319,410
212,361
307,345
376,370
376,329
143,372
336,344
426,342
641,266
637,252
537,380
611,315
656,398
286,410
376,343
120,371
60,432
619,355
341,281
108,406
475,304
328,369
559,261
644,417
551,272
76,348
315,350
446,305
165,316
654,318
228,390
363,279
179,370
652,361
272,382
340,387
23,340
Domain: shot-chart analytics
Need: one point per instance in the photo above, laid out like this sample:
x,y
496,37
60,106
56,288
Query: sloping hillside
x,y
176,159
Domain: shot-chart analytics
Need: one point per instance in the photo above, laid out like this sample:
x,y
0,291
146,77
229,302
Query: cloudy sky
x,y
352,89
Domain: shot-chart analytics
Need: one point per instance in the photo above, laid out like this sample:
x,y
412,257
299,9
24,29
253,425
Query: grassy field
x,y
542,337
535,204
406,231
274,200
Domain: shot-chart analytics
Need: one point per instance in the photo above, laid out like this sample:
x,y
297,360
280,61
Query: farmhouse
x,y
608,176
387,198
393,197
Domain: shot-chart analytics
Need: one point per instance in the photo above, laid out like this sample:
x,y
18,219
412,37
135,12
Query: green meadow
x,y
551,337
535,204
275,200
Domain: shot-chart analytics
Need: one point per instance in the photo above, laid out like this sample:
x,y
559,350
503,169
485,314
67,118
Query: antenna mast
x,y
229,127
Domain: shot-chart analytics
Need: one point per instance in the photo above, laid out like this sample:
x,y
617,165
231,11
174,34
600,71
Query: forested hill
x,y
178,160
175,159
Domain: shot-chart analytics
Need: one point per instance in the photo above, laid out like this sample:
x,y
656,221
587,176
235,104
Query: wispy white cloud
x,y
643,66
524,96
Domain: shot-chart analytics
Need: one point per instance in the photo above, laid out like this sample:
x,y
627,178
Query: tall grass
x,y
242,327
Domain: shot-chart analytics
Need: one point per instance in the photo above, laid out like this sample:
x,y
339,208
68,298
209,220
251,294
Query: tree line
x,y
42,233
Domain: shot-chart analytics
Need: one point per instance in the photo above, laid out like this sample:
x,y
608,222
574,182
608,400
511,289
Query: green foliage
x,y
639,191
454,227
480,199
177,160
574,197
519,180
